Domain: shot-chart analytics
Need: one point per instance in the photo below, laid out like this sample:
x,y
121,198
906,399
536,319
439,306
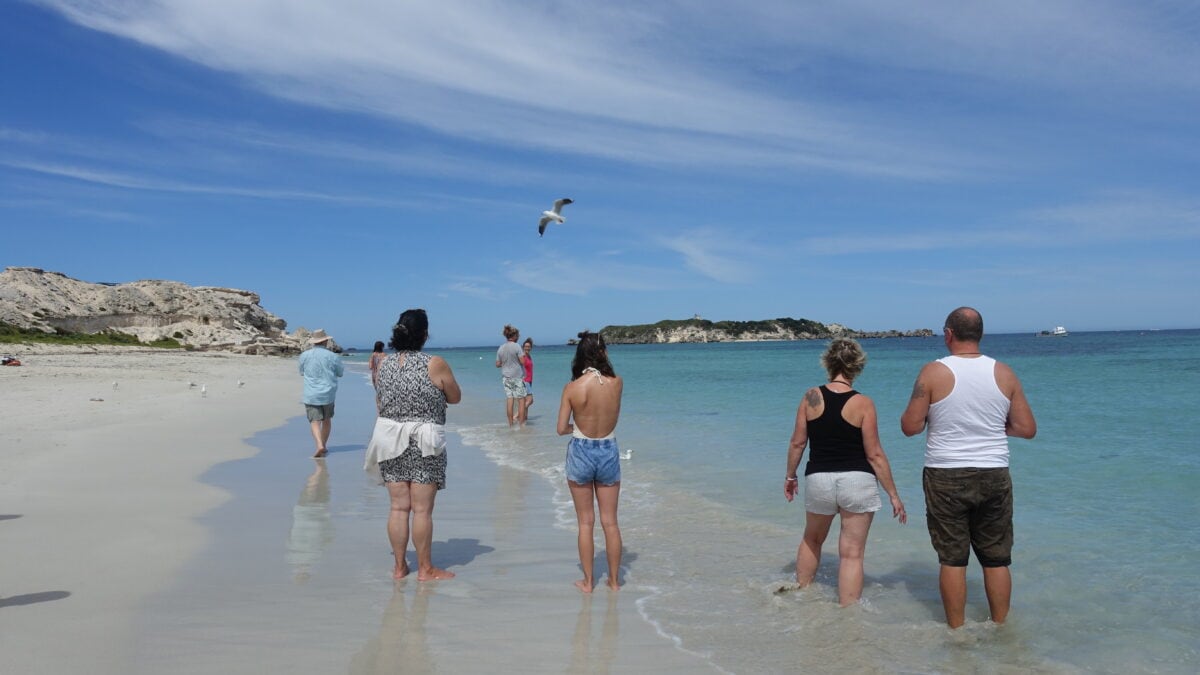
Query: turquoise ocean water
x,y
1107,513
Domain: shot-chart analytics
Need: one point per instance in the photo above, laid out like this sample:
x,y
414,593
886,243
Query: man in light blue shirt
x,y
321,369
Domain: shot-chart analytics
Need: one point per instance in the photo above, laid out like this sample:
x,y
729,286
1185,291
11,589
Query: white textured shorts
x,y
853,491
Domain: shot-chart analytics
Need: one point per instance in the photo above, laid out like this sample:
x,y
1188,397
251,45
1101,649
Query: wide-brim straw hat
x,y
318,336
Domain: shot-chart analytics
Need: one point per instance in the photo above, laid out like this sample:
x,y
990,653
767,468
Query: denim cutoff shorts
x,y
826,493
595,461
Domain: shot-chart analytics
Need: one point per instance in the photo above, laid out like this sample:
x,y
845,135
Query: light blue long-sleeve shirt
x,y
321,368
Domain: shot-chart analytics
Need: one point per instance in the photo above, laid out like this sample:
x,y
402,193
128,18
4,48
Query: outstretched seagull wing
x,y
559,203
542,225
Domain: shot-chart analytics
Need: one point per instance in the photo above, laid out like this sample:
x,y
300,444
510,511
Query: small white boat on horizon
x,y
1059,331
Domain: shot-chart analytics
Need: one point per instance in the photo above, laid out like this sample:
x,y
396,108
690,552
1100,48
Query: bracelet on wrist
x,y
790,478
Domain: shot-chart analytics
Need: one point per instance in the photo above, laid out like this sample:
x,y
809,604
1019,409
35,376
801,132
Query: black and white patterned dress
x,y
406,394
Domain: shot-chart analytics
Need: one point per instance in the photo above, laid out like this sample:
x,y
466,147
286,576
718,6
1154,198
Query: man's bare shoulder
x,y
1006,378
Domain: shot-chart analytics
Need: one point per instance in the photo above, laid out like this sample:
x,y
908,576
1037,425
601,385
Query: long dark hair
x,y
378,345
411,331
591,353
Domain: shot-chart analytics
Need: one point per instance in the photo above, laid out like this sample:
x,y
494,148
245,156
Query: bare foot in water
x,y
613,585
400,571
320,453
584,586
434,574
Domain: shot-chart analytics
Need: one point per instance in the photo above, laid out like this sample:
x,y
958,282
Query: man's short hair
x,y
966,323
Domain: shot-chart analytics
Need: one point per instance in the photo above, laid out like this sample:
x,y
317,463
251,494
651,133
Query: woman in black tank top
x,y
845,462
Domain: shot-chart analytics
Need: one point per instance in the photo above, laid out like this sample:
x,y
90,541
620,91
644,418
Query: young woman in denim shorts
x,y
591,404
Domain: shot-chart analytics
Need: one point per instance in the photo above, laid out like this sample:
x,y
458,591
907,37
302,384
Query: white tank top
x,y
966,429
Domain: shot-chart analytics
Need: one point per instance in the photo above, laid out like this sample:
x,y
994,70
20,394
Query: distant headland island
x,y
697,329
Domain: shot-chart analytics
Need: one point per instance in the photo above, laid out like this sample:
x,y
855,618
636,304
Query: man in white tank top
x,y
969,404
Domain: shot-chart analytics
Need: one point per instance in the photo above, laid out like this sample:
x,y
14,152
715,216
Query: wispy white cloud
x,y
69,208
719,255
1087,46
138,182
584,78
1137,215
707,84
1125,216
23,136
929,240
410,158
475,287
570,275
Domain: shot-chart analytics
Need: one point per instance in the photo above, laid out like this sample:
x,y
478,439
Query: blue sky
x,y
867,163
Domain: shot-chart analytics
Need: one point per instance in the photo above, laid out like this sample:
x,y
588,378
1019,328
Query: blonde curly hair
x,y
844,357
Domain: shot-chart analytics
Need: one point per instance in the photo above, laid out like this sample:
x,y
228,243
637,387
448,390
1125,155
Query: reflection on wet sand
x,y
585,659
511,491
312,527
401,646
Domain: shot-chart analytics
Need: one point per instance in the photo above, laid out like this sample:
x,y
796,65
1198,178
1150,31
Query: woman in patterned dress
x,y
414,387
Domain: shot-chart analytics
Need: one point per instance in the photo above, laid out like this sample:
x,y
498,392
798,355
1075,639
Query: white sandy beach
x,y
118,558
98,487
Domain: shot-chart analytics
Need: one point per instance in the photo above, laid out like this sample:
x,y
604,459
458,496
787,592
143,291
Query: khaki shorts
x,y
970,509
318,413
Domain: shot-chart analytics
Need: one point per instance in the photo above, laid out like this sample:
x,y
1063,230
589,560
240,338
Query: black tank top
x,y
836,445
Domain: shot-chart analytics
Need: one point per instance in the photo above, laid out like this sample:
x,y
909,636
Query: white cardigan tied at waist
x,y
391,439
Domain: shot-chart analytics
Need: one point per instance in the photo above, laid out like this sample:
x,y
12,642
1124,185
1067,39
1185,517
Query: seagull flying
x,y
554,215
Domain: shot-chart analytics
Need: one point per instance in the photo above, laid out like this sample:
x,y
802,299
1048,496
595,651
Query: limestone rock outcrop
x,y
701,330
203,318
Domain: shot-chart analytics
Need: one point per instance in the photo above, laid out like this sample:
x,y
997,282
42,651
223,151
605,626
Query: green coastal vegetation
x,y
10,334
697,329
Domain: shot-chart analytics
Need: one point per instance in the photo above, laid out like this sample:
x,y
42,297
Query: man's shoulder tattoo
x,y
918,390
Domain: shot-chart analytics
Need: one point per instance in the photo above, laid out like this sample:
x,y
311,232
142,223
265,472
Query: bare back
x,y
594,402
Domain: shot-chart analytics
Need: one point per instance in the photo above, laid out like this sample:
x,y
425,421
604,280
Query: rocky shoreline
x,y
698,330
200,318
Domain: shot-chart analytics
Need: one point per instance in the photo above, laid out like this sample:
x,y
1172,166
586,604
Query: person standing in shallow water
x,y
970,404
845,468
408,447
591,404
508,360
527,365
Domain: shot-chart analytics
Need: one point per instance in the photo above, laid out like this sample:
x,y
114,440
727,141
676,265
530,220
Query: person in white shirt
x,y
969,404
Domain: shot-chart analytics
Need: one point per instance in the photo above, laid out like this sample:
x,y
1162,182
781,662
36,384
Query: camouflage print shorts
x,y
970,509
